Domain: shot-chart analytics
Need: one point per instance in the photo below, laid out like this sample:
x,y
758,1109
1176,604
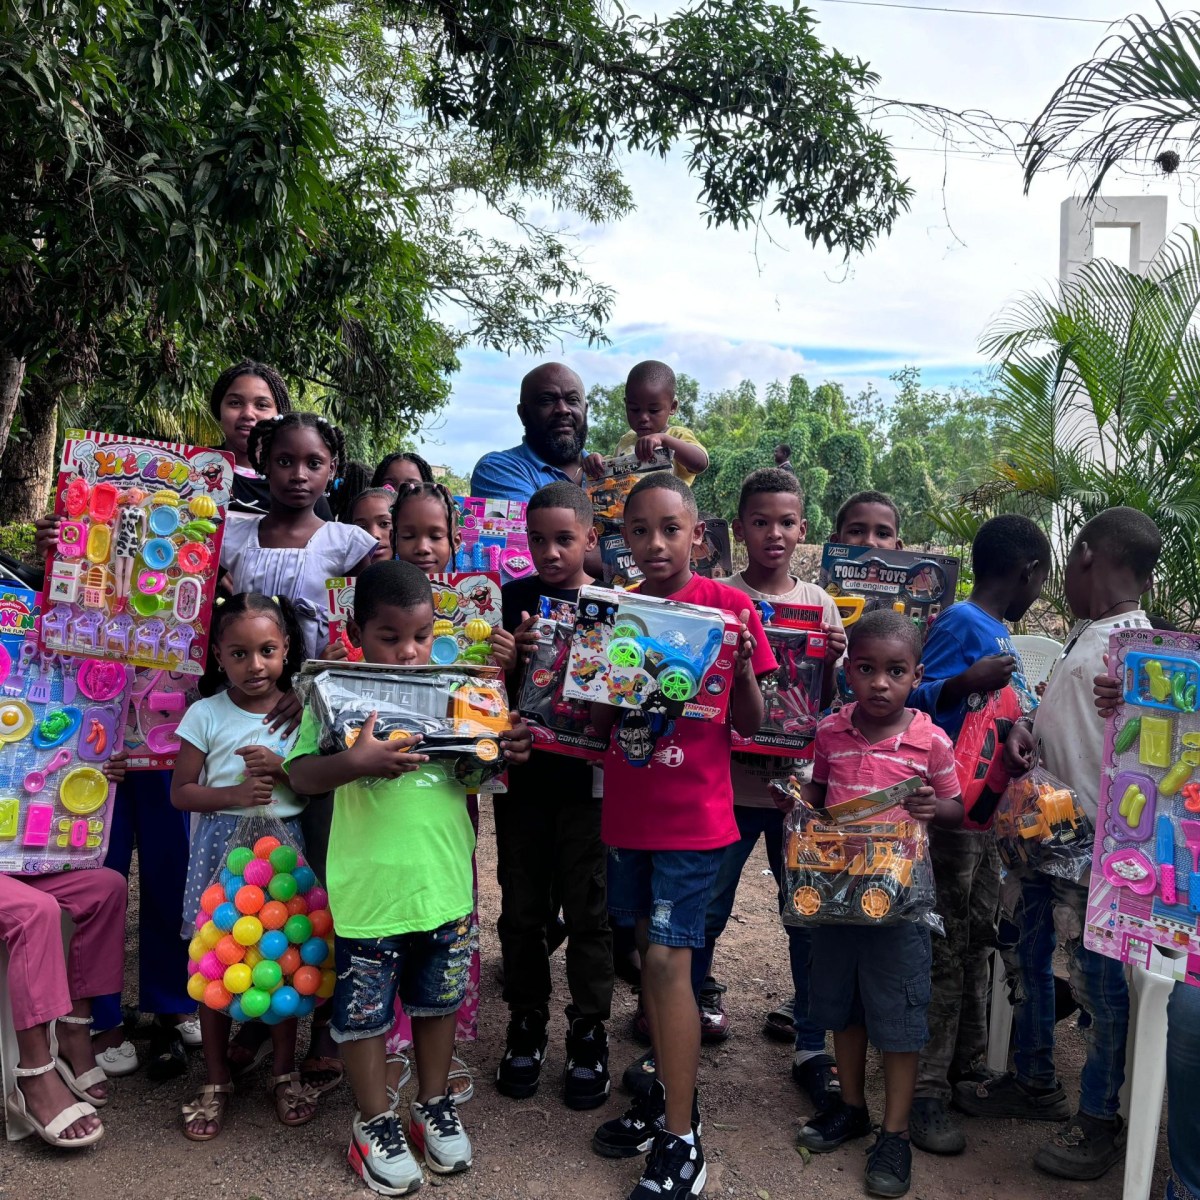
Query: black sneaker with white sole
x,y
586,1081
673,1168
520,1070
633,1132
828,1130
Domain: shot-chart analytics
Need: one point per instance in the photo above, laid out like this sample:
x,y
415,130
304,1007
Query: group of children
x,y
659,849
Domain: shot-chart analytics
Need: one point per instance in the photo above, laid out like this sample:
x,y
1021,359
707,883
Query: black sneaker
x,y
520,1069
167,1057
1006,1096
714,1021
818,1077
932,1129
634,1130
586,1082
673,1168
889,1165
639,1076
1084,1148
828,1130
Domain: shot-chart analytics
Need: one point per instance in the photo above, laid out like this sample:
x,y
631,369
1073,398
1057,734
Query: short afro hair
x,y
1006,544
1127,538
886,625
562,494
858,498
666,481
390,582
787,450
652,375
769,481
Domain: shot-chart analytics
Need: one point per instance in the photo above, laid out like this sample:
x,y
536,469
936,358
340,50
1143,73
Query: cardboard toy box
x,y
635,651
864,578
493,538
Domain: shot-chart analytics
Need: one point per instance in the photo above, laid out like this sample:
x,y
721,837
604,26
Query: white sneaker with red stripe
x,y
380,1155
437,1132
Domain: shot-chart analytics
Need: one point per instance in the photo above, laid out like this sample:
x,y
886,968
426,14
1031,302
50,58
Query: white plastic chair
x,y
1038,656
1000,1018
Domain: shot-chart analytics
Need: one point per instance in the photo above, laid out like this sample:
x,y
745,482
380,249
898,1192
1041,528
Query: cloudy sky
x,y
723,306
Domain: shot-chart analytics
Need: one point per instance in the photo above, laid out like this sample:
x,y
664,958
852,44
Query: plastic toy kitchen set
x,y
493,538
635,651
1145,887
863,578
133,572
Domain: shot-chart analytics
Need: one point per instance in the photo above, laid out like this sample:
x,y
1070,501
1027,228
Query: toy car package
x,y
1040,823
862,863
458,712
609,493
864,578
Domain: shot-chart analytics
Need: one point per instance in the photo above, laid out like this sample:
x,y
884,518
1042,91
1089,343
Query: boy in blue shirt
x,y
969,653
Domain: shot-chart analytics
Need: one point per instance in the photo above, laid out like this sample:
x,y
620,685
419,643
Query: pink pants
x,y
42,985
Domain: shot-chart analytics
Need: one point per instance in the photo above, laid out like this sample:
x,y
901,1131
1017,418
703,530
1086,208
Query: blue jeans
x,y
669,887
1045,911
1183,1101
754,823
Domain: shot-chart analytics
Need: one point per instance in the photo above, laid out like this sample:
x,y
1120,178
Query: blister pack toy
x,y
1145,882
862,863
557,724
61,720
134,570
608,495
863,578
634,651
1041,824
156,706
713,558
458,712
493,538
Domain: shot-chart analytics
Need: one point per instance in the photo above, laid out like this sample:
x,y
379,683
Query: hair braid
x,y
410,489
270,376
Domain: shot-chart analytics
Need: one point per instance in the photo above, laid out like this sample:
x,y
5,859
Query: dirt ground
x,y
538,1148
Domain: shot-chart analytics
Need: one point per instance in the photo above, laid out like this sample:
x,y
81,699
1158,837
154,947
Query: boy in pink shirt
x,y
667,817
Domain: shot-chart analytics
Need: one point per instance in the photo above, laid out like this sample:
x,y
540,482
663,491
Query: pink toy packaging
x,y
156,706
134,570
493,538
1145,882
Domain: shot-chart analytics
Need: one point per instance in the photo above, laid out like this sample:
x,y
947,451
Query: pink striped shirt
x,y
849,766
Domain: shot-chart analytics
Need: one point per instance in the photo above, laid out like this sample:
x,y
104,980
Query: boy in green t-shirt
x,y
399,881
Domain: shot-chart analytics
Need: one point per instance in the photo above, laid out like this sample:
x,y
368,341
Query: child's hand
x,y
1107,691
1020,749
518,741
1039,689
921,804
374,759
285,715
253,792
504,649
989,674
784,801
526,636
746,644
45,536
335,652
835,642
593,466
646,446
116,767
261,762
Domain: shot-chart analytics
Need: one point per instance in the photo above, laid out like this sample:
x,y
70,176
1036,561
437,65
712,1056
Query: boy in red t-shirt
x,y
666,824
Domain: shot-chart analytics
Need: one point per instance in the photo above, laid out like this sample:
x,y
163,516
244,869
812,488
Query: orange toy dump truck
x,y
1035,815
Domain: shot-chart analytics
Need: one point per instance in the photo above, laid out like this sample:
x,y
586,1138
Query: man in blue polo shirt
x,y
553,409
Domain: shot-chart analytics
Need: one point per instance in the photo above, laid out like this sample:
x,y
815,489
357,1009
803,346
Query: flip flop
x,y
316,1066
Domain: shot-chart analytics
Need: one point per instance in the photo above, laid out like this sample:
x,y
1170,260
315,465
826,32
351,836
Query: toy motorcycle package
x,y
1041,824
459,712
862,863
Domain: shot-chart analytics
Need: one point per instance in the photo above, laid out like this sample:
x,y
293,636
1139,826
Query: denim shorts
x,y
428,970
872,975
671,887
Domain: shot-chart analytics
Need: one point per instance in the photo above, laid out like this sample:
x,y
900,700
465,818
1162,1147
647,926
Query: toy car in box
x,y
864,578
634,651
458,712
609,493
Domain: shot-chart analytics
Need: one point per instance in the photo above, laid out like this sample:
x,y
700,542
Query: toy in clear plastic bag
x,y
867,864
1040,824
459,712
263,947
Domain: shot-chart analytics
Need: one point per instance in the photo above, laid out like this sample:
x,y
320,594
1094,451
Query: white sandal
x,y
23,1122
118,1060
77,1083
460,1070
405,1078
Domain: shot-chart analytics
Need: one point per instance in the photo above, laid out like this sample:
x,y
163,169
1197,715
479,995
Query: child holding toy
x,y
667,824
1107,573
872,981
401,893
229,763
969,653
650,403
548,847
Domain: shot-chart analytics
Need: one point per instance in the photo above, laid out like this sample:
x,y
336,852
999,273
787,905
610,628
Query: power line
x,y
971,12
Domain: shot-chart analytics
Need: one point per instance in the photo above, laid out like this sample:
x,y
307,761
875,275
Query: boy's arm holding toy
x,y
689,454
368,758
746,702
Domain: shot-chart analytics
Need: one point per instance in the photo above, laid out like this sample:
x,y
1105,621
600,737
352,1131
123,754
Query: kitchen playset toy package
x,y
61,720
635,651
156,706
134,570
865,862
1145,885
557,724
493,538
864,578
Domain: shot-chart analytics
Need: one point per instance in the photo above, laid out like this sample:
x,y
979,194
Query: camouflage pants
x,y
966,869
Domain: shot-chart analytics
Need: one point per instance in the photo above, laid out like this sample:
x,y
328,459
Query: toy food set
x,y
61,720
635,651
458,712
493,538
1145,883
792,692
1041,824
861,863
156,706
864,578
263,946
135,566
713,558
557,724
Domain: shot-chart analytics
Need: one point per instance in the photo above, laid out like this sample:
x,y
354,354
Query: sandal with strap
x,y
208,1106
295,1096
322,1074
405,1078
78,1084
460,1070
22,1122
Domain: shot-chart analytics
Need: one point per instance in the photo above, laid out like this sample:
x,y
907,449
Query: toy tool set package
x,y
493,538
862,863
792,692
135,566
1041,824
61,720
1145,885
457,712
863,578
557,724
634,651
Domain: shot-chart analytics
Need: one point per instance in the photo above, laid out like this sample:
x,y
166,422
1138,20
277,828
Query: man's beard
x,y
558,449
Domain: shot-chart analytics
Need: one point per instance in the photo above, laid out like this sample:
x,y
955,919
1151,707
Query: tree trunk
x,y
12,371
27,467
